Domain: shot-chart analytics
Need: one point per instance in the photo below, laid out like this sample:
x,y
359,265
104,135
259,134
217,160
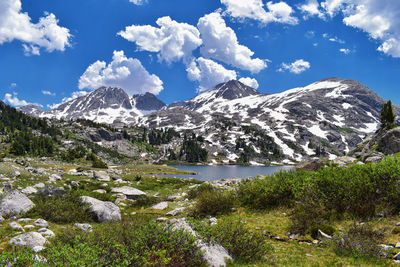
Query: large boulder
x,y
310,165
105,211
30,239
129,192
390,142
15,203
101,176
214,254
343,161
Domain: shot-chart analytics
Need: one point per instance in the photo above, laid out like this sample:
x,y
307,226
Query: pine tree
x,y
387,115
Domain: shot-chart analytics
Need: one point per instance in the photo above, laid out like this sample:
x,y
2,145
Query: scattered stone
x,y
397,256
105,211
322,235
75,183
29,190
37,249
15,226
1,219
214,254
29,226
39,185
16,174
46,232
160,206
213,221
309,255
385,247
24,220
30,239
343,161
83,226
41,223
175,212
397,245
101,176
133,213
15,203
161,219
398,224
54,177
52,191
129,192
100,191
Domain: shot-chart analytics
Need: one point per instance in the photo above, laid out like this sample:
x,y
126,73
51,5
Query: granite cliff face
x,y
327,118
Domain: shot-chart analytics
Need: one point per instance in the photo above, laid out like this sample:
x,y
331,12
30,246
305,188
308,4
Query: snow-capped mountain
x,y
107,105
31,109
330,116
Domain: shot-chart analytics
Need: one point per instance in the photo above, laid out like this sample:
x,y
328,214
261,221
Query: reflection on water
x,y
211,173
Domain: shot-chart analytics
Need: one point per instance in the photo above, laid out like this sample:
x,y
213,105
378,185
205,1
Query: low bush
x,y
65,208
21,257
134,243
194,192
359,241
146,201
213,203
242,244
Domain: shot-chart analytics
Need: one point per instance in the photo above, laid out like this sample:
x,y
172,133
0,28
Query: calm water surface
x,y
211,173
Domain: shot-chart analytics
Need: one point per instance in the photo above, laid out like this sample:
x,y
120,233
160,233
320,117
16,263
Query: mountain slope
x,y
106,105
326,118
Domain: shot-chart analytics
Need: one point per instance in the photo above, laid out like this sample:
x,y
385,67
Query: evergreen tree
x,y
387,115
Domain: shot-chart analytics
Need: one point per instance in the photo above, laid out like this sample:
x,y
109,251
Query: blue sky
x,y
53,50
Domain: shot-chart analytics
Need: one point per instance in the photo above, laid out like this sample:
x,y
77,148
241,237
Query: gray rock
x,y
374,159
322,235
30,239
16,174
46,232
161,219
175,212
129,192
15,203
37,249
15,226
342,161
1,219
214,254
29,190
311,165
213,220
390,142
39,185
52,191
41,223
54,177
101,176
100,191
83,226
29,226
105,211
160,206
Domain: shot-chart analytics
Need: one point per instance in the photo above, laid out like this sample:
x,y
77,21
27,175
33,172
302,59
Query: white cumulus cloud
x,y
208,73
172,41
220,42
249,82
295,67
13,100
279,12
311,8
124,72
17,25
345,51
379,18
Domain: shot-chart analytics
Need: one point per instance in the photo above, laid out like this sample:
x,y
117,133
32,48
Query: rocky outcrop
x,y
129,192
104,211
31,240
15,203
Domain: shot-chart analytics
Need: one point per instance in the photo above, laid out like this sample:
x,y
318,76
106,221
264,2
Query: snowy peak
x,y
110,105
233,90
31,109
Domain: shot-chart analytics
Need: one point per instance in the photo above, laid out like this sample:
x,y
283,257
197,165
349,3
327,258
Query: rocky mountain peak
x,y
233,89
31,109
148,102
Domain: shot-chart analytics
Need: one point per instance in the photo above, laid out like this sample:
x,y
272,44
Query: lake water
x,y
211,173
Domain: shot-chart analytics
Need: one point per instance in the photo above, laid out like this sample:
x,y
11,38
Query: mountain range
x,y
326,118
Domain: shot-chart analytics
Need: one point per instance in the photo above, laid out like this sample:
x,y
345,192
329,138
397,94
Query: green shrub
x,y
194,192
359,241
146,201
96,162
134,243
271,191
242,244
65,208
20,258
213,203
